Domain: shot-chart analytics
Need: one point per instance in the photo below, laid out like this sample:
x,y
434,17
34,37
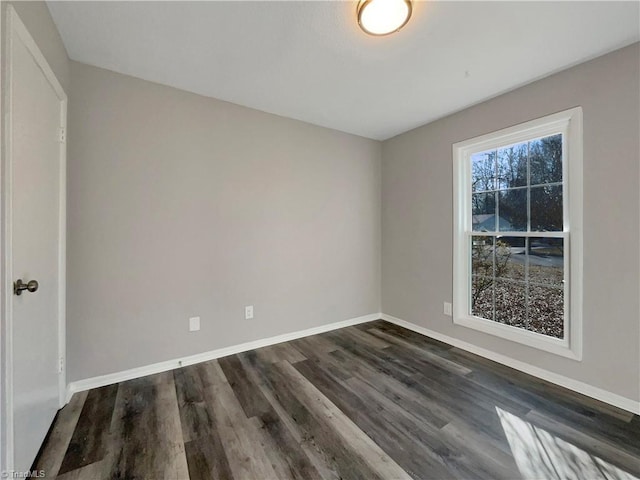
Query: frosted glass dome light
x,y
382,17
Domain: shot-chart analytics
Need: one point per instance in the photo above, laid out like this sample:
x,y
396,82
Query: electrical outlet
x,y
194,324
248,312
447,308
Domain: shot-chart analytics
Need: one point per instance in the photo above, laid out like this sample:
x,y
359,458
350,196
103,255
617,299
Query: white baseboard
x,y
575,385
619,401
101,381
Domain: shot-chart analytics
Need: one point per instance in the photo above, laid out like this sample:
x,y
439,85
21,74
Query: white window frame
x,y
569,124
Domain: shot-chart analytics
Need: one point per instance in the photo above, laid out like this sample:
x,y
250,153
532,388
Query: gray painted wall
x,y
181,205
417,216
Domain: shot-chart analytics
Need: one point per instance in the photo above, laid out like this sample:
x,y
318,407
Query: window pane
x,y
482,297
483,206
510,258
512,207
512,166
546,261
510,303
482,256
545,157
546,311
546,209
483,171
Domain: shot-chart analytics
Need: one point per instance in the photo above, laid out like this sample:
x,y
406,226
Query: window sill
x,y
531,339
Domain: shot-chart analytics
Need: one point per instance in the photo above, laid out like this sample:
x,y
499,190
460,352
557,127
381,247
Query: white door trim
x,y
16,31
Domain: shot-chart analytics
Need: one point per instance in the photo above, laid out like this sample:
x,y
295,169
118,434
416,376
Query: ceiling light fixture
x,y
382,17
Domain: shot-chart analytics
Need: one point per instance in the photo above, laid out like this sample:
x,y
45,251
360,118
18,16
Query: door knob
x,y
18,286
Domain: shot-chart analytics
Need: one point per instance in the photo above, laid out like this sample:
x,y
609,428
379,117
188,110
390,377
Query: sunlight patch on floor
x,y
540,454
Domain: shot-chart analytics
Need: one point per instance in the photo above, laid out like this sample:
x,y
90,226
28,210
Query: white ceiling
x,y
309,61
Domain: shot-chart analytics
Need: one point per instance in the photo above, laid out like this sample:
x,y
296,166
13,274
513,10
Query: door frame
x,y
16,31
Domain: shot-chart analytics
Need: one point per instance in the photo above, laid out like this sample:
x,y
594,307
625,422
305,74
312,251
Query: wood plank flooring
x,y
374,401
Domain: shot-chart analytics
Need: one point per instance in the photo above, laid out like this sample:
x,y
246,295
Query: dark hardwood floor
x,y
374,401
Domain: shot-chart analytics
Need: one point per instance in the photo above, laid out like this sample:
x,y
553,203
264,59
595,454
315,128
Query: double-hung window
x,y
518,233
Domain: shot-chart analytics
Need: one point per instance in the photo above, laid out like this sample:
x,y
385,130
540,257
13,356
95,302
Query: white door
x,y
34,221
